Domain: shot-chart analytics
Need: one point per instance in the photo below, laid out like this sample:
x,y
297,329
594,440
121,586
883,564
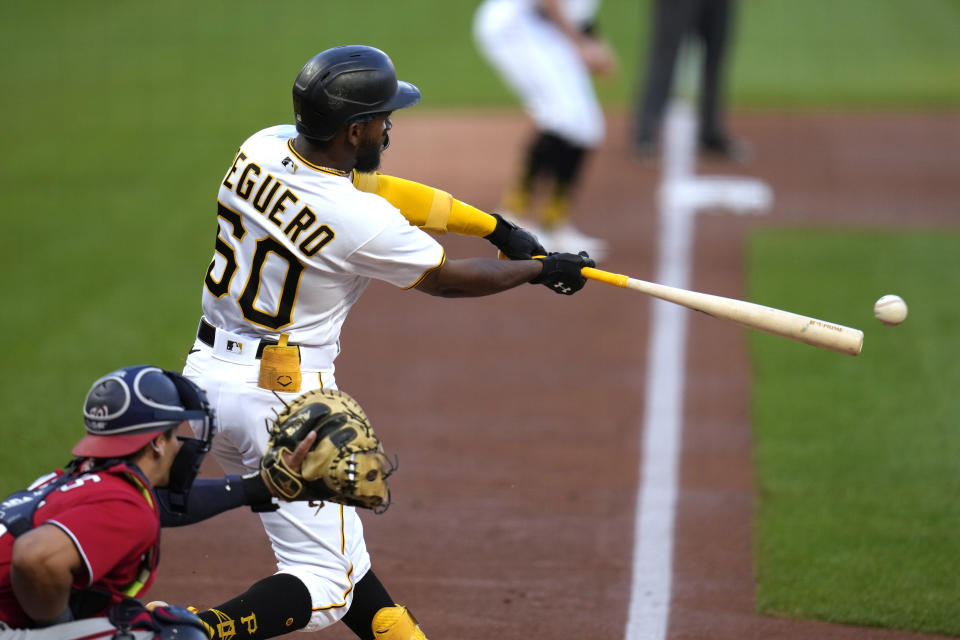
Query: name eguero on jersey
x,y
272,203
271,197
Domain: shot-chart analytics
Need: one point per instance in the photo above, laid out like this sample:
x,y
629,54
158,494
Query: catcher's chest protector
x,y
16,512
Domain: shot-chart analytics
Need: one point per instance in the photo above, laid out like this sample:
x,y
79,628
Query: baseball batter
x,y
304,226
546,50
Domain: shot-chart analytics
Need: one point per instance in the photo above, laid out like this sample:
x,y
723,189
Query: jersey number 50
x,y
248,296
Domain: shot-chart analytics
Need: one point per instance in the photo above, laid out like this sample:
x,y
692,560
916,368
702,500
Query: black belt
x,y
207,334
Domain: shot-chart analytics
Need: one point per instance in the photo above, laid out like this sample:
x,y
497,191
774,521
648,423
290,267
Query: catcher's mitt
x,y
346,464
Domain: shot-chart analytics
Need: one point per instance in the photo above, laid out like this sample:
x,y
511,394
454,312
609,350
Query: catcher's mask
x,y
336,86
125,409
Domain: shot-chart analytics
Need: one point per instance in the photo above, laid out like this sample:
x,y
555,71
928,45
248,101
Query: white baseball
x,y
890,309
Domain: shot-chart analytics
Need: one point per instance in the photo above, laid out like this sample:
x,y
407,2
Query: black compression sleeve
x,y
212,496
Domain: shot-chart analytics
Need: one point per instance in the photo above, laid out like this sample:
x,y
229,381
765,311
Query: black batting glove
x,y
561,272
514,242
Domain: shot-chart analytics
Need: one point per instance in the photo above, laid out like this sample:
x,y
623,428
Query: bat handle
x,y
616,279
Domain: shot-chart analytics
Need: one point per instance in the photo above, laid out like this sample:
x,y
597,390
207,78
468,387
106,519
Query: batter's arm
x,y
426,207
435,210
474,277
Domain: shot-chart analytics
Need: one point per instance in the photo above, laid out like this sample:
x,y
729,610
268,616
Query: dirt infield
x,y
517,418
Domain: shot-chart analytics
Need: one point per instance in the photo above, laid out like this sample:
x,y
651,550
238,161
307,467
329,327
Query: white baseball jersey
x,y
542,66
298,244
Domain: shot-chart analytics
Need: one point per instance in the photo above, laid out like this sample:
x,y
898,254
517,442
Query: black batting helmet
x,y
339,84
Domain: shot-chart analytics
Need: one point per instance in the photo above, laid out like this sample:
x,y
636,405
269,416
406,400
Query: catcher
x,y
79,545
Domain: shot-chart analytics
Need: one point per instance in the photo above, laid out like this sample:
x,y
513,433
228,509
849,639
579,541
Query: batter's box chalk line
x,y
731,193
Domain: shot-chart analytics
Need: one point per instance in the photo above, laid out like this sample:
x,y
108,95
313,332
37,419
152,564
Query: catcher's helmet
x,y
126,409
339,84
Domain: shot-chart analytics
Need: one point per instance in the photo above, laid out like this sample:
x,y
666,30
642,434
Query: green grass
x,y
853,53
118,119
189,65
859,495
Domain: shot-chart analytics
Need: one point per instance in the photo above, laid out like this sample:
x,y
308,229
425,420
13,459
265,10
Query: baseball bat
x,y
818,333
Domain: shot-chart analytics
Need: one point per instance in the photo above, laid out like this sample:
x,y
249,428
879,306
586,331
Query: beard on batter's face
x,y
374,144
368,155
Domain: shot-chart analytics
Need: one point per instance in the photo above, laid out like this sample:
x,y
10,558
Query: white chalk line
x,y
649,609
681,195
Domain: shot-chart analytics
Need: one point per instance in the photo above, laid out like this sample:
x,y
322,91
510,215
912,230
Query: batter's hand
x,y
514,242
561,272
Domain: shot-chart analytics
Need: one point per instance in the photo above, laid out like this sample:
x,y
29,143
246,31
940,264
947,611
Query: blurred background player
x,y
546,50
708,24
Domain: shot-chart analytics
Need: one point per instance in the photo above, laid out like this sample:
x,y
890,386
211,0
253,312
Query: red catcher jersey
x,y
112,524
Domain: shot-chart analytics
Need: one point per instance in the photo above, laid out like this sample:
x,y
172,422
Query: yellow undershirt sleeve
x,y
426,207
